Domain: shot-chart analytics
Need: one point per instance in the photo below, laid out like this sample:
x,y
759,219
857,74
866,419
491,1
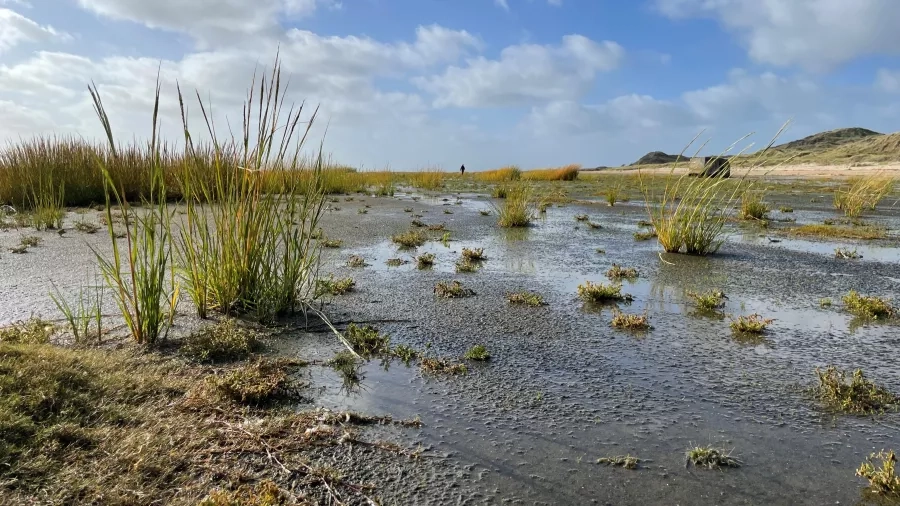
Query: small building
x,y
709,166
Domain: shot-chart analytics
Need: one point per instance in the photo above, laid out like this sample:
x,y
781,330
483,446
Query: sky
x,y
415,84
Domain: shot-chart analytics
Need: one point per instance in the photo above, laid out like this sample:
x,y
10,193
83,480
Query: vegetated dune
x,y
841,147
836,147
658,157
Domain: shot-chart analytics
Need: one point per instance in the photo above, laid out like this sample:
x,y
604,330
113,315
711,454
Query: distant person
x,y
462,169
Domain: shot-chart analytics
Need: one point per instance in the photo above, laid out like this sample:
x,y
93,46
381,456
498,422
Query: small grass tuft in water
x,y
852,393
425,260
709,300
526,298
612,195
418,223
477,353
435,365
466,265
32,331
452,290
593,225
751,324
331,243
410,239
404,353
581,217
408,210
825,302
440,227
847,253
86,227
617,272
484,212
711,458
30,241
599,292
356,261
868,306
624,461
645,236
880,469
332,286
786,209
396,262
367,341
627,321
223,341
476,254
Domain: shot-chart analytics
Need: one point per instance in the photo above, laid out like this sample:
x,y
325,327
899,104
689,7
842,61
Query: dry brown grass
x,y
501,175
116,427
564,173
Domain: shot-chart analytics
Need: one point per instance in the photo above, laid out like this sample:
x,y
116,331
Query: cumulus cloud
x,y
16,29
525,73
207,20
337,72
814,34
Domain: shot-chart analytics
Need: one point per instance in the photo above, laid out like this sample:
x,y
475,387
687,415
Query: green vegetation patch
x,y
222,341
852,393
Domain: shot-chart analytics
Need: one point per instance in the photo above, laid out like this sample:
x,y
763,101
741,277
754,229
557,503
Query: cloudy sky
x,y
408,84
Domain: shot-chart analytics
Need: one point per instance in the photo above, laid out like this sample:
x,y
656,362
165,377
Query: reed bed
x,y
501,175
564,173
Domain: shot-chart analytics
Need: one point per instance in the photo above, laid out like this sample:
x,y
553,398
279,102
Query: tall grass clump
x,y
501,175
46,203
864,193
427,180
690,214
141,275
254,252
564,173
519,208
752,206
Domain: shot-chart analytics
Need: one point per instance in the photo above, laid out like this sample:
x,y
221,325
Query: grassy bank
x,y
117,427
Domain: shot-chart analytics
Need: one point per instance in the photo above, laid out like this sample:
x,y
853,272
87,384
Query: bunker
x,y
709,166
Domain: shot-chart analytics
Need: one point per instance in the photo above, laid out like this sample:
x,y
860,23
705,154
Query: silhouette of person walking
x,y
462,169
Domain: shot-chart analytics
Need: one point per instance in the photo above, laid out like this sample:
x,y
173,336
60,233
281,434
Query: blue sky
x,y
415,83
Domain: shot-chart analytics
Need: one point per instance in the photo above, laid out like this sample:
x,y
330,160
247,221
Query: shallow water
x,y
563,388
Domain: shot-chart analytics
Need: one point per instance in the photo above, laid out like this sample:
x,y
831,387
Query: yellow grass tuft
x,y
503,174
564,173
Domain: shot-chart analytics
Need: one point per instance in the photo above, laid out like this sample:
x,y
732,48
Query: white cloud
x,y
337,72
502,4
626,114
16,28
888,80
748,97
525,73
210,21
814,34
